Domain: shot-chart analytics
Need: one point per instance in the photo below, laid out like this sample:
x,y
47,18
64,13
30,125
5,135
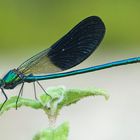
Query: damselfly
x,y
69,51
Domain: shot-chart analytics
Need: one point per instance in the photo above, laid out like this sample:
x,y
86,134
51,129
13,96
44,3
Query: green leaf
x,y
57,98
74,95
55,94
11,103
59,133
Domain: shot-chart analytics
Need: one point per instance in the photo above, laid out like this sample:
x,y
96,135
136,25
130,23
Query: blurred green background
x,y
29,26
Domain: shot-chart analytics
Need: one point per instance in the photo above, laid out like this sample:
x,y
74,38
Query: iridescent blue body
x,y
73,48
14,78
84,70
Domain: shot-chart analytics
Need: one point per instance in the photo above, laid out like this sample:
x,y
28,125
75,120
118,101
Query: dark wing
x,y
69,51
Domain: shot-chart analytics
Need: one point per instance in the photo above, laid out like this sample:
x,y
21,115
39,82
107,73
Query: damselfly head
x,y
2,83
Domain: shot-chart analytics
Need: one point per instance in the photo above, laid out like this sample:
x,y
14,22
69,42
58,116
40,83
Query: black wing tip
x,y
96,20
93,16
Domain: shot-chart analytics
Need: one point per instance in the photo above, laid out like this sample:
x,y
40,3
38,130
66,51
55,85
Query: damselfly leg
x,y
6,98
35,91
19,94
43,89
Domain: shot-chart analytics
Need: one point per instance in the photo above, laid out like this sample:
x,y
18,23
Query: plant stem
x,y
52,121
